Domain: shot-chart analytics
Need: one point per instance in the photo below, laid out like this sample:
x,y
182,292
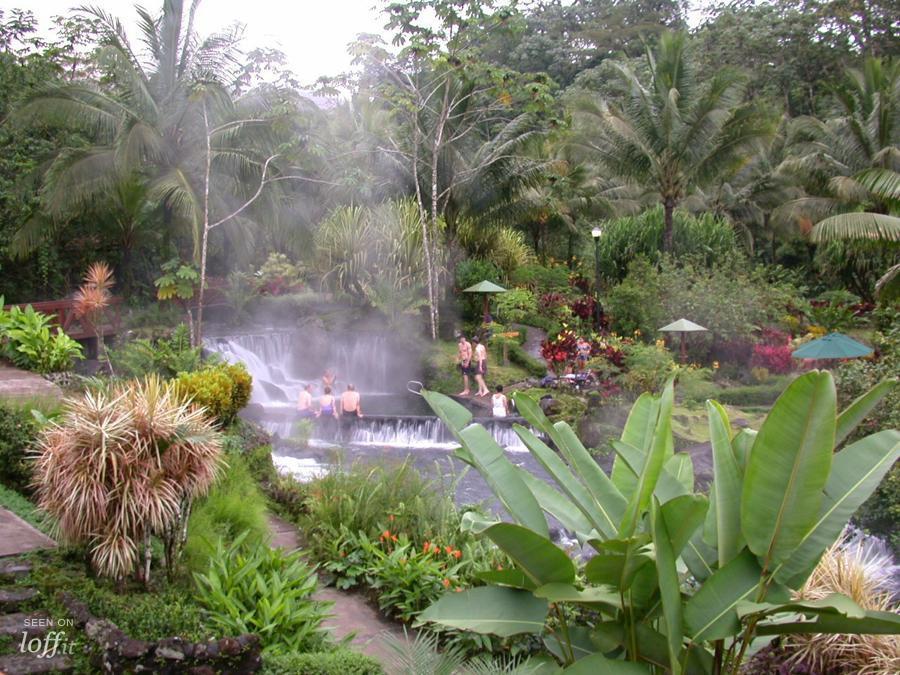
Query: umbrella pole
x,y
683,349
486,308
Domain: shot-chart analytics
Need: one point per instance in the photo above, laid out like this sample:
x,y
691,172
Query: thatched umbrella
x,y
682,326
486,288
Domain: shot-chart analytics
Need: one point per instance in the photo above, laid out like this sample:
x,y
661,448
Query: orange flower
x,y
393,537
459,589
391,518
446,583
448,550
386,534
426,547
457,554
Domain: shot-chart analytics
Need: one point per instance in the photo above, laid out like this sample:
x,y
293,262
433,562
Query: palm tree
x,y
849,164
673,134
144,121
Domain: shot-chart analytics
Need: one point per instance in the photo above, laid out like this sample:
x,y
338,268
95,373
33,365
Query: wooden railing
x,y
78,328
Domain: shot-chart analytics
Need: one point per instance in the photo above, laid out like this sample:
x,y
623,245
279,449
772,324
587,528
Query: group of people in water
x,y
332,410
472,361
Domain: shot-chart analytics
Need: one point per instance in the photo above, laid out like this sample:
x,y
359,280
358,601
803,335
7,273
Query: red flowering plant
x,y
773,352
583,307
560,352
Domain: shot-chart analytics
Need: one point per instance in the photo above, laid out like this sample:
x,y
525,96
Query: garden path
x,y
23,385
17,536
533,339
352,615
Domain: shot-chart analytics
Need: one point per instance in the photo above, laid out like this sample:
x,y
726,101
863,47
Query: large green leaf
x,y
725,491
788,468
699,557
638,433
618,562
557,505
503,478
611,635
835,603
576,644
507,577
489,609
592,595
597,664
741,445
538,557
857,411
683,516
855,473
454,415
603,515
660,451
711,612
873,623
603,490
669,586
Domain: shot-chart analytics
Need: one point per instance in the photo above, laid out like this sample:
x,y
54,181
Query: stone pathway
x,y
25,627
352,615
533,339
23,385
17,536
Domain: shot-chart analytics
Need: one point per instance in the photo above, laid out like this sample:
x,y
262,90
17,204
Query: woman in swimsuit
x,y
329,413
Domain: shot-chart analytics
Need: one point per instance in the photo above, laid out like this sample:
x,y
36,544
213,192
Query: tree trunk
x,y
668,227
198,333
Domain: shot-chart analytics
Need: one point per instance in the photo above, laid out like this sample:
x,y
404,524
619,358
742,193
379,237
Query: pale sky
x,y
312,33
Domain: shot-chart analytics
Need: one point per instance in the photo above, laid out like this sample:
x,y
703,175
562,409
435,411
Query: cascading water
x,y
283,362
410,433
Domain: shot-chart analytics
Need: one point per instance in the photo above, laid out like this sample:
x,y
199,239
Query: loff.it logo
x,y
54,642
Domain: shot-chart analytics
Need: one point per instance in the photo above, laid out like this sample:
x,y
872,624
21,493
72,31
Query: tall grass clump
x,y
123,465
234,505
859,570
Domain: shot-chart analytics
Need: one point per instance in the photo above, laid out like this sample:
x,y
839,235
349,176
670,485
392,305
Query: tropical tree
x,y
850,163
671,134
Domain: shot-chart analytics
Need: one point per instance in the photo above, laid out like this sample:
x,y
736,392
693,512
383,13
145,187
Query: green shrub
x,y
222,389
338,662
233,505
648,367
516,305
264,591
518,356
26,339
833,310
541,279
635,304
625,239
166,611
18,431
259,462
166,356
753,395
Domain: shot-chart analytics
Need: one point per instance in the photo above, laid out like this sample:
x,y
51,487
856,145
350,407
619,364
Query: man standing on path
x,y
464,359
480,367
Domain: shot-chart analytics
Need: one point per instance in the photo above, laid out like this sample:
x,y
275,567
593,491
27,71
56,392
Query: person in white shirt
x,y
500,404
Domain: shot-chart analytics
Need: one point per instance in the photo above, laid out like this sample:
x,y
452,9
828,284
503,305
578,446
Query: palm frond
x,y
857,226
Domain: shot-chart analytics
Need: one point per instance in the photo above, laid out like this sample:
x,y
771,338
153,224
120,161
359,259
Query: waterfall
x,y
281,362
404,432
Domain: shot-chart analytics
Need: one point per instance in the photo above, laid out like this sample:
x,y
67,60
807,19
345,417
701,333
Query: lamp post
x,y
596,232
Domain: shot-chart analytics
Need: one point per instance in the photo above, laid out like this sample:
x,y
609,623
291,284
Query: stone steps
x,y
12,598
27,664
34,648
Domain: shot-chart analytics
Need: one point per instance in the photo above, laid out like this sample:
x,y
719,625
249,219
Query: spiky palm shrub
x,y
866,575
93,298
124,464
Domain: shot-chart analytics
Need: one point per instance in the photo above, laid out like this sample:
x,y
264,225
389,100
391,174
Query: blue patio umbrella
x,y
832,346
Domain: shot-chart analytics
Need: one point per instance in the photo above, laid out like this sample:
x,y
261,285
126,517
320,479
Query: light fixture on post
x,y
596,233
